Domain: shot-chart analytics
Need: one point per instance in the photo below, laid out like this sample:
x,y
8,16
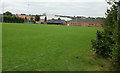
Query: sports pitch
x,y
36,47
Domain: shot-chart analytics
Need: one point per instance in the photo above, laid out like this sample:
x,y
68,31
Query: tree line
x,y
8,17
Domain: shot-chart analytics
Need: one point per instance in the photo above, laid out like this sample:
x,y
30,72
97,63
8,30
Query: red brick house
x,y
86,22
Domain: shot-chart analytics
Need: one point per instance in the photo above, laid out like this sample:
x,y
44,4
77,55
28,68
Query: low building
x,y
57,22
86,22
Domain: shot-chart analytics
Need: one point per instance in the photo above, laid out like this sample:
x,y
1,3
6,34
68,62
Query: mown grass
x,y
35,47
0,47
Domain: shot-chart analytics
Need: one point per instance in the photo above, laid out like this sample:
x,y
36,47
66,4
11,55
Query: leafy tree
x,y
59,18
10,18
23,14
13,19
53,19
106,43
31,19
37,18
7,13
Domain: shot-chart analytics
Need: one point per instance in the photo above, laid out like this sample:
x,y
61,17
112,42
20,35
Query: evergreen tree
x,y
45,18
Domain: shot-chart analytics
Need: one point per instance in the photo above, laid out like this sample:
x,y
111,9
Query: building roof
x,y
25,16
51,16
55,21
42,20
88,20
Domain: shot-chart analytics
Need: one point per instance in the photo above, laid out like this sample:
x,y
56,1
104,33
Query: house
x,y
86,22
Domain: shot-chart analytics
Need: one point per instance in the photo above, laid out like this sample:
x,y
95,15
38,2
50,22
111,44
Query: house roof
x,y
24,16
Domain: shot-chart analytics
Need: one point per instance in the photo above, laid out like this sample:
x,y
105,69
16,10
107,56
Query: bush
x,y
102,45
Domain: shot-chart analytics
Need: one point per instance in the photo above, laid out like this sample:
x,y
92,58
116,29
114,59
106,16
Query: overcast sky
x,y
60,7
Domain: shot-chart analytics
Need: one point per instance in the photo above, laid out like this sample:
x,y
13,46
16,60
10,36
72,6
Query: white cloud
x,y
66,0
54,1
63,7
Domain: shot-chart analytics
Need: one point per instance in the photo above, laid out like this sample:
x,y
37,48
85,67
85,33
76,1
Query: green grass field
x,y
0,47
36,47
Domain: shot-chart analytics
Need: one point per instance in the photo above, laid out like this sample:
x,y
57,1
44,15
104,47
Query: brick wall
x,y
92,23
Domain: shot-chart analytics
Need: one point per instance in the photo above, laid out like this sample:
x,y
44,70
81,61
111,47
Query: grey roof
x,y
88,20
55,21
